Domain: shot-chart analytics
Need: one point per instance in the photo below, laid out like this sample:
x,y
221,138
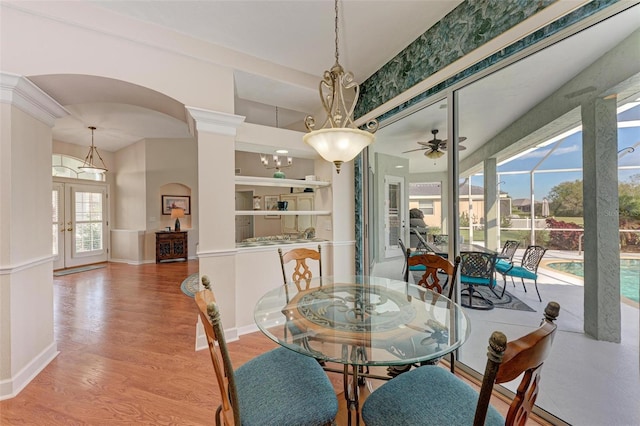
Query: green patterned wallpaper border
x,y
413,64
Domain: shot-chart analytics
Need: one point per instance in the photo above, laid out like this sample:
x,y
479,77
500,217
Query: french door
x,y
79,224
394,212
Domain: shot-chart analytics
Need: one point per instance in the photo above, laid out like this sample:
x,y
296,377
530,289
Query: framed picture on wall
x,y
271,203
176,201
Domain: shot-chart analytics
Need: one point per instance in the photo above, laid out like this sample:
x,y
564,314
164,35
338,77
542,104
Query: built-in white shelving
x,y
282,183
288,183
282,212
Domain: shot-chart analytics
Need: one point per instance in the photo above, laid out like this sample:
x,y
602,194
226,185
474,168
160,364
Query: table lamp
x,y
177,213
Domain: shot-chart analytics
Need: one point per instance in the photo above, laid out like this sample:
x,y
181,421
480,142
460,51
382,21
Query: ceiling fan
x,y
435,148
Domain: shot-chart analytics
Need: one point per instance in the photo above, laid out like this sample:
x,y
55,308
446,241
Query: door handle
x,y
62,230
69,229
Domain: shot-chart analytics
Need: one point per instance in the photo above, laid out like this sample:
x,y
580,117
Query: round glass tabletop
x,y
362,320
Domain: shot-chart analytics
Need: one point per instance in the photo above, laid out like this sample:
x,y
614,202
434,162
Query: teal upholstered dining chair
x,y
528,268
436,274
439,276
407,254
477,269
430,395
276,388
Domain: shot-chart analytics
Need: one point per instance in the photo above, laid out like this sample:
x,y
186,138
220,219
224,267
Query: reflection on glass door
x,y
58,228
393,215
79,224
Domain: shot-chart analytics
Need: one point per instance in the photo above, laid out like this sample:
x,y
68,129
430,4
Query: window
x,y
67,166
427,207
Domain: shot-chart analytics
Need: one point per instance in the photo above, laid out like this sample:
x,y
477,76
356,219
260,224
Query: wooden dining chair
x,y
436,274
451,401
301,270
276,388
406,252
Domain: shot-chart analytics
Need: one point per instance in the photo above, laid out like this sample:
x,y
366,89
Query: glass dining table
x,y
359,322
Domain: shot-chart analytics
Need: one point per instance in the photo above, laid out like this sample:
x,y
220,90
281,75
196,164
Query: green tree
x,y
629,198
565,199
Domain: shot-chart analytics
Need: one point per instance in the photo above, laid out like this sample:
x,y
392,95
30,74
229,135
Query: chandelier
x,y
277,163
89,166
338,140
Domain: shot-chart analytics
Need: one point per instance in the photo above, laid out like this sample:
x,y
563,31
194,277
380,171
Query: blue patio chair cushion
x,y
417,267
520,272
502,266
428,395
465,279
283,387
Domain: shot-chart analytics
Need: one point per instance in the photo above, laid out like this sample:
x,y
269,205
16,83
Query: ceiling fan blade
x,y
460,147
460,139
424,143
417,149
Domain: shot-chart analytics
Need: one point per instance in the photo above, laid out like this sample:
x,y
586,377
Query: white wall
x,y
129,188
26,283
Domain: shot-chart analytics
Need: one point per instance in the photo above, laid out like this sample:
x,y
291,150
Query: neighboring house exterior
x,y
428,198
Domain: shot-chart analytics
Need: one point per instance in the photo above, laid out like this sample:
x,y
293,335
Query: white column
x,y
340,227
601,226
491,212
215,133
27,342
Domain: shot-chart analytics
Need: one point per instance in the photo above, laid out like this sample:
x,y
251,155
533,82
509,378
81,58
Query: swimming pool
x,y
629,275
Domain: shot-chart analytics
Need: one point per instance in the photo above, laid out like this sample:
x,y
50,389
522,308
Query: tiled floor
x,y
585,381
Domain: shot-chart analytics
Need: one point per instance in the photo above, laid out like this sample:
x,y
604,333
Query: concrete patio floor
x,y
584,381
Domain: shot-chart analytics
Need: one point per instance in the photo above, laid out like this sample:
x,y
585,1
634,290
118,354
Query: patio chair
x,y
440,239
278,387
505,258
528,268
477,269
421,244
430,395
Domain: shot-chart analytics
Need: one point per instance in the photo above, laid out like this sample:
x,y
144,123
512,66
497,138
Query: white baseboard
x,y
9,388
231,335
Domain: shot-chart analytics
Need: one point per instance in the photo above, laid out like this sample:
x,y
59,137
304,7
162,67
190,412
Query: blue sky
x,y
567,155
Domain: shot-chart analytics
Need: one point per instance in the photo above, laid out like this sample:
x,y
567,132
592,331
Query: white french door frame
x,y
71,251
394,215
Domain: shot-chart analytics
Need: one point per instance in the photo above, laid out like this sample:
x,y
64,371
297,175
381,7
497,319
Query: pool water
x,y
629,275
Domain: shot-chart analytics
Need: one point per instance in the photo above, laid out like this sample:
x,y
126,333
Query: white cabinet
x,y
301,202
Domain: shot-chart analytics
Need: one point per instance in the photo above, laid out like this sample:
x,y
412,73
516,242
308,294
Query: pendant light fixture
x,y
338,140
89,166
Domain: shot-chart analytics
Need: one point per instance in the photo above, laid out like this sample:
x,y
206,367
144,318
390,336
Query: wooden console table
x,y
171,245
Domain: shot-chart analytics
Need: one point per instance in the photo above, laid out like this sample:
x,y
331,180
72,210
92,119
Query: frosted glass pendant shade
x,y
338,145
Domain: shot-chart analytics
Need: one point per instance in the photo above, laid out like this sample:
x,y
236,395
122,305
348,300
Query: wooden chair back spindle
x,y
301,270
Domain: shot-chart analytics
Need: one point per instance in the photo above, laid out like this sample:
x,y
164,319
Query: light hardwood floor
x,y
126,336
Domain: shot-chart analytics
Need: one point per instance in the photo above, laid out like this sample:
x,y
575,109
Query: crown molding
x,y
29,98
213,122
